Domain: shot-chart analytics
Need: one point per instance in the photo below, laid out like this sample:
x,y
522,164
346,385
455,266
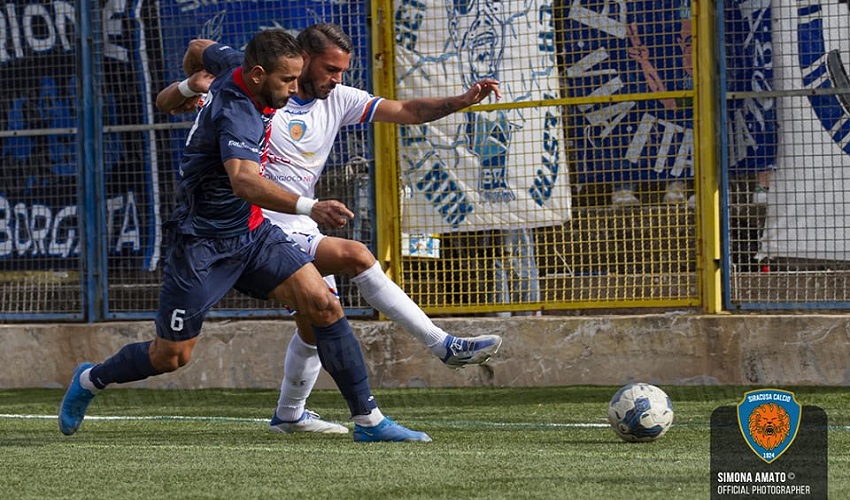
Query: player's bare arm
x,y
172,100
193,59
427,109
175,100
249,185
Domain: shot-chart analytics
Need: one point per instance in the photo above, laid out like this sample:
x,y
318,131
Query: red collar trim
x,y
237,78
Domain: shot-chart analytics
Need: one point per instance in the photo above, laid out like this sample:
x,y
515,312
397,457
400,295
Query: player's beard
x,y
318,92
280,102
274,101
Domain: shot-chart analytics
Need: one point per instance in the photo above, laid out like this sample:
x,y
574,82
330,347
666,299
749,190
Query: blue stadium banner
x,y
753,130
39,203
627,48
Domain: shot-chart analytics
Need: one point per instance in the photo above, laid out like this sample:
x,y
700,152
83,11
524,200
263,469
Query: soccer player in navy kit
x,y
220,240
303,133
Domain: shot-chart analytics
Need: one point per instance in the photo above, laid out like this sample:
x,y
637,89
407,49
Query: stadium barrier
x,y
644,155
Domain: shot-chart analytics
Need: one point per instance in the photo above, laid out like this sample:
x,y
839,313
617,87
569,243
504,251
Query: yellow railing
x,y
654,255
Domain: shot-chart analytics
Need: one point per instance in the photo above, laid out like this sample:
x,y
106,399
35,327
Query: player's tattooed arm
x,y
427,109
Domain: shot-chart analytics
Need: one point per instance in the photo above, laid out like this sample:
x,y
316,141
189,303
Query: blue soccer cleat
x,y
470,350
75,402
308,422
387,430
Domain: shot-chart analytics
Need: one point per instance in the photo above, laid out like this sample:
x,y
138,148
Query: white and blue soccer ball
x,y
640,412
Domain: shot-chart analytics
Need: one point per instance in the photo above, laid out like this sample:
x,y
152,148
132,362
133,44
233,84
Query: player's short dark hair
x,y
268,46
319,37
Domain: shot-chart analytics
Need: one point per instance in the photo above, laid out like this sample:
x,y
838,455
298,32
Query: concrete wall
x,y
666,349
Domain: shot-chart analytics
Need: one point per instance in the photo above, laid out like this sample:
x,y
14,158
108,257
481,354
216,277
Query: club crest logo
x,y
769,420
297,129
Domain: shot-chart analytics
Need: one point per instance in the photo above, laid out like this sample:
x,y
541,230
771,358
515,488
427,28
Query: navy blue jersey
x,y
231,125
219,59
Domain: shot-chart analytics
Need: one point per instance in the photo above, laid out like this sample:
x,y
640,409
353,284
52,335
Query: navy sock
x,y
129,364
340,354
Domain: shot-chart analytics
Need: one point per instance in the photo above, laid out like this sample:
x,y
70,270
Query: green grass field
x,y
543,443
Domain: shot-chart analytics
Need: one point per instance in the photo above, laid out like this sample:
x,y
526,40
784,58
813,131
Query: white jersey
x,y
302,136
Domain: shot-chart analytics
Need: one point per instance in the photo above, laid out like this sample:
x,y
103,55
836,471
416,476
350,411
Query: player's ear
x,y
257,74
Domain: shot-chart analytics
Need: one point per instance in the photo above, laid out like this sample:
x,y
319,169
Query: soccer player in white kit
x,y
301,139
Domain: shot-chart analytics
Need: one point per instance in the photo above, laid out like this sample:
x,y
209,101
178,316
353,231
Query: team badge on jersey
x,y
297,129
769,421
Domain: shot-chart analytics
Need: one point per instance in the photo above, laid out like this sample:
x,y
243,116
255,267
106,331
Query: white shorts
x,y
309,242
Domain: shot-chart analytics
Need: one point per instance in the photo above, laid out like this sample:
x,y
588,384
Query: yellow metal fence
x,y
580,188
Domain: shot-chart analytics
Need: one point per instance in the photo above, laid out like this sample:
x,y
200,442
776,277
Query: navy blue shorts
x,y
200,271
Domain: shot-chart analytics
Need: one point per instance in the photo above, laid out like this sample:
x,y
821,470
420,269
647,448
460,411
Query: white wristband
x,y
184,89
304,205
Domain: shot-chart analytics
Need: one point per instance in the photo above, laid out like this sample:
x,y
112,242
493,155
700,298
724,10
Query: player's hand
x,y
481,90
200,81
331,213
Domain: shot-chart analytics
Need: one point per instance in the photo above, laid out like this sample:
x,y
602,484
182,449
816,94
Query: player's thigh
x,y
343,256
198,273
310,243
273,259
307,293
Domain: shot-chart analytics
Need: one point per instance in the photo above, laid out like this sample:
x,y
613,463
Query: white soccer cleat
x,y
309,422
461,352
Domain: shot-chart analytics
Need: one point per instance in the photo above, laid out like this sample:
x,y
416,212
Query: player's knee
x,y
323,300
323,308
360,258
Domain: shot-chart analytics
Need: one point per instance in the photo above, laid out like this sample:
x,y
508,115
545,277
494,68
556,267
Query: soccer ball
x,y
640,412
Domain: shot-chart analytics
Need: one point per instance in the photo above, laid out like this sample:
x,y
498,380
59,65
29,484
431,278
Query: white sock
x,y
85,381
300,373
385,296
370,420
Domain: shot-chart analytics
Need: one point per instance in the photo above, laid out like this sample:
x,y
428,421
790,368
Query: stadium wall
x,y
667,349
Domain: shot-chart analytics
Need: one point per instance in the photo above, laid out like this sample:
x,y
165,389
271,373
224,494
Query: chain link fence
x,y
578,189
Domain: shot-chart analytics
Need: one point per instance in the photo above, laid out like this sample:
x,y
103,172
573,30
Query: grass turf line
x,y
488,443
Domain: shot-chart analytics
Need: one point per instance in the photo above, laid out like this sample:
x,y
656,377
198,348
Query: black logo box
x,y
800,472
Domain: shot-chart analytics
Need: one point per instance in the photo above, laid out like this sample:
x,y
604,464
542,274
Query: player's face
x,y
322,72
281,83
